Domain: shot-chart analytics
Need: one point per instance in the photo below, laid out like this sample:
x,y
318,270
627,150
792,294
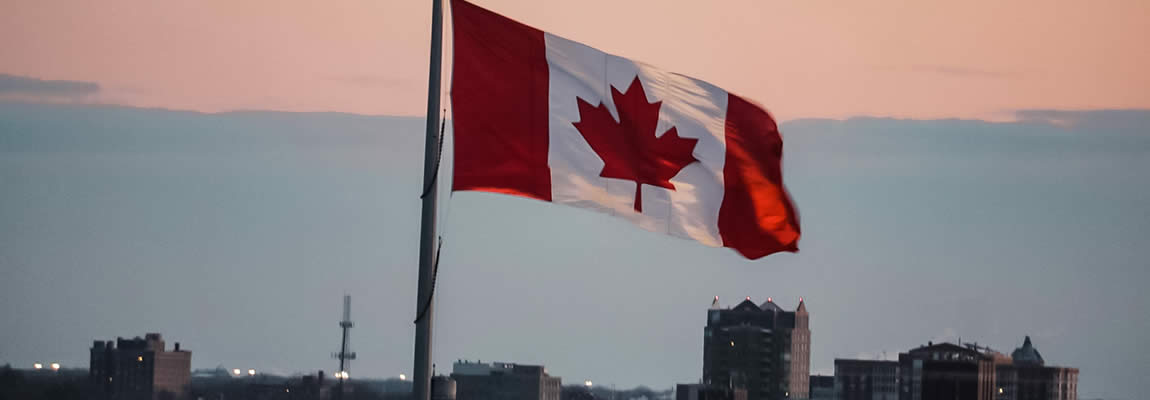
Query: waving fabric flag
x,y
540,116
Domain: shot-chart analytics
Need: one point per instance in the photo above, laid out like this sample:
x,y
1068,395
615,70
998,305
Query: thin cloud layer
x,y
28,86
1116,121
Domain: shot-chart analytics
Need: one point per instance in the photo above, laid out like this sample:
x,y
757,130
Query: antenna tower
x,y
344,356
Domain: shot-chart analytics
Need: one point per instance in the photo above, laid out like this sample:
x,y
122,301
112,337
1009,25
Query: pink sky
x,y
920,59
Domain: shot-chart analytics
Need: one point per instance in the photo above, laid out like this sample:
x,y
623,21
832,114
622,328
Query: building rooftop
x,y
1027,354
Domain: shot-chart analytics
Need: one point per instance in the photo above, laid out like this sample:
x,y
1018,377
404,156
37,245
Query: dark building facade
x,y
503,381
1025,376
822,387
699,391
760,348
946,371
866,380
139,369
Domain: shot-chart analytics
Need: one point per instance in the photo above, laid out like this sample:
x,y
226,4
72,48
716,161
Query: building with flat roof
x,y
139,369
758,347
822,387
866,379
699,391
503,381
964,371
946,371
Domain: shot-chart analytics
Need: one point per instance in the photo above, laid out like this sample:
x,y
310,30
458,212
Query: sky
x,y
899,58
971,170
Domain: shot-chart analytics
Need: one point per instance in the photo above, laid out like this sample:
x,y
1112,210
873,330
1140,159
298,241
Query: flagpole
x,y
421,373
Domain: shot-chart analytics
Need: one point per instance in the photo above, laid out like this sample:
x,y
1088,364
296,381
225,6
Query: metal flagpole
x,y
421,386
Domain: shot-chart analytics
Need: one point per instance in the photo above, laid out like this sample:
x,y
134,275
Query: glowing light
x,y
403,377
38,366
732,343
341,374
748,297
251,372
140,358
999,390
587,383
55,366
236,372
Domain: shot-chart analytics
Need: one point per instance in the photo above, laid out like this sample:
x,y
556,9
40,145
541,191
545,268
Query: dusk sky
x,y
973,170
900,58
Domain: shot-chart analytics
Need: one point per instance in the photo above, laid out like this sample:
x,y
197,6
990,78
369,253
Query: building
x,y
1024,376
822,387
139,369
699,391
503,381
442,388
946,371
760,348
866,380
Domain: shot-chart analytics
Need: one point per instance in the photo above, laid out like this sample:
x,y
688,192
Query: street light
x,y
38,366
236,372
55,366
403,377
587,383
251,372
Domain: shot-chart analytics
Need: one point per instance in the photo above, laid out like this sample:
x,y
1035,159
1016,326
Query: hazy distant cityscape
x,y
750,352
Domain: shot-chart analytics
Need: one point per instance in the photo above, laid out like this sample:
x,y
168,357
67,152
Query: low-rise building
x,y
699,391
822,387
866,379
139,369
503,381
1025,376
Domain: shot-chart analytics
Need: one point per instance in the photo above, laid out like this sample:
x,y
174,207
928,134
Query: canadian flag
x,y
540,116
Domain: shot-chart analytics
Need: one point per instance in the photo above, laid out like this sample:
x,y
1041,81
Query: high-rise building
x,y
503,381
758,347
866,379
139,369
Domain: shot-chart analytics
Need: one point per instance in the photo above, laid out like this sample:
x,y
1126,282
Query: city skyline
x,y
215,202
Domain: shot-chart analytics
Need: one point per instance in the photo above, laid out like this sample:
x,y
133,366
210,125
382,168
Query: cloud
x,y
947,335
1116,121
374,81
951,71
964,72
23,87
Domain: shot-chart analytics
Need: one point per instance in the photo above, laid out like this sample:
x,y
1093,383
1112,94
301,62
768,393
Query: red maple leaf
x,y
630,148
